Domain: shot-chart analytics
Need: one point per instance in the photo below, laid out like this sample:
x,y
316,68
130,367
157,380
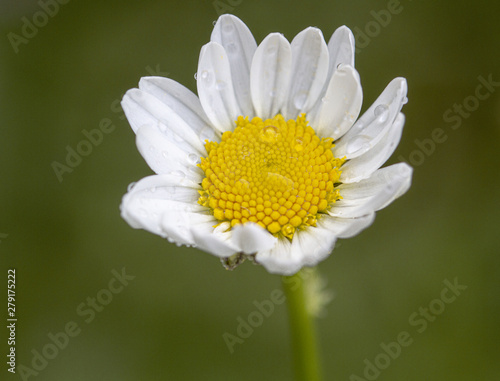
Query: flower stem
x,y
305,354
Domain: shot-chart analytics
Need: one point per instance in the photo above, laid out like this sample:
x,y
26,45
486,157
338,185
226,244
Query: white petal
x,y
142,109
309,72
215,87
251,238
240,46
270,75
308,248
315,244
336,112
184,102
341,48
346,227
178,225
207,239
373,193
279,259
363,166
145,204
373,124
165,156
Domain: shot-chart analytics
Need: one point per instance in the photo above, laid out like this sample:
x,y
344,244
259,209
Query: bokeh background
x,y
65,238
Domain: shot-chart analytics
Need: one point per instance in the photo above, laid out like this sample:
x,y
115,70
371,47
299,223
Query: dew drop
x,y
300,100
220,85
195,76
325,99
269,134
164,154
360,142
405,100
130,186
178,173
206,134
152,189
382,113
193,158
272,94
205,75
151,148
214,22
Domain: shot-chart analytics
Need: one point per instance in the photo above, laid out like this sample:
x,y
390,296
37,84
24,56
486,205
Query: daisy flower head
x,y
269,161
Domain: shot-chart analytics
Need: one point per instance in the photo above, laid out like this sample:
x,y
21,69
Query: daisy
x,y
269,161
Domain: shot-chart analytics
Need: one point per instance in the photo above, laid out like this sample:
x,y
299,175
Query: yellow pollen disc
x,y
276,173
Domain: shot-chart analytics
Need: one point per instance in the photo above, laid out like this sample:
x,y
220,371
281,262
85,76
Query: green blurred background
x,y
65,238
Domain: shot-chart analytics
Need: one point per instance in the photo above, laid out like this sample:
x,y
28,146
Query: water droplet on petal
x,y
220,85
178,173
272,94
152,189
300,100
151,148
360,142
214,22
382,112
130,186
195,76
325,99
405,100
164,154
193,158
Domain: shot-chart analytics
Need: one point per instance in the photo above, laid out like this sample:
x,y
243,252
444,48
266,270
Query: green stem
x,y
305,354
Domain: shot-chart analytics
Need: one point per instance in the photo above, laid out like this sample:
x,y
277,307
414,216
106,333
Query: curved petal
x,y
215,87
209,240
308,247
184,102
373,193
346,227
146,202
363,166
178,226
270,75
165,156
336,112
309,72
373,124
251,238
142,108
235,37
341,48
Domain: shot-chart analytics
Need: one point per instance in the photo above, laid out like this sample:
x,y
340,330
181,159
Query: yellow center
x,y
276,173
